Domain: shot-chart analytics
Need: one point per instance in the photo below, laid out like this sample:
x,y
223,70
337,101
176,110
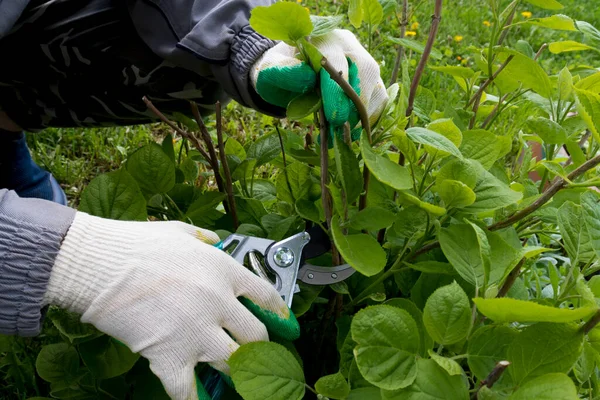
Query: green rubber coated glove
x,y
279,76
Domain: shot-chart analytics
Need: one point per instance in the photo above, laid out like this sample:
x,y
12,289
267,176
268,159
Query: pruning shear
x,y
283,263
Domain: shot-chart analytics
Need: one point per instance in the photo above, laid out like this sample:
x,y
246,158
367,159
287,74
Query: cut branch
x,y
493,377
225,165
435,23
477,96
401,50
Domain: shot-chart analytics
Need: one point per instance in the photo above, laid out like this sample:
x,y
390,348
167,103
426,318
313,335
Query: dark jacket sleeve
x,y
31,233
10,11
196,34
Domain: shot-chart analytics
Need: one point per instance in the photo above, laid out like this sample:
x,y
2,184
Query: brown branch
x,y
325,195
401,50
540,51
226,170
186,135
214,160
492,377
435,23
511,278
485,84
591,323
494,111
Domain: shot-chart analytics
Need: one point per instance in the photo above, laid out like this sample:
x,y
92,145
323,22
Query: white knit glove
x,y
279,76
164,293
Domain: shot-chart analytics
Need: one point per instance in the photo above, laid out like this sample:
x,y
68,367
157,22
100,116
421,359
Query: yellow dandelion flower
x,y
526,14
458,38
411,33
487,23
458,58
414,26
298,1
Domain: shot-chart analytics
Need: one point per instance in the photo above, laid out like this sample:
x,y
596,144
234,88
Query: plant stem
x,y
591,323
226,170
325,195
435,23
493,376
511,279
401,50
477,96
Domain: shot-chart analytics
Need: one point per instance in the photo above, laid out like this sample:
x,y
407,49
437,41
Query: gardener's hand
x,y
156,287
279,76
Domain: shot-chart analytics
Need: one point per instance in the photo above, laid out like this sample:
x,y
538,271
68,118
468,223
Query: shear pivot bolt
x,y
334,275
310,276
283,257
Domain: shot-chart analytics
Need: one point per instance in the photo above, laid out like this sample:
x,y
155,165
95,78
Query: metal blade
x,y
314,275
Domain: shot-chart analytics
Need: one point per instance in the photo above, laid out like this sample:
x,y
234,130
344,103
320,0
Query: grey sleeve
x,y
31,233
213,35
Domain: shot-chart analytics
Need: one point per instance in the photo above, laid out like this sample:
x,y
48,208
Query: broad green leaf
x,y
167,146
295,177
348,170
566,46
447,315
446,127
451,366
114,195
287,21
491,193
372,12
503,257
235,148
461,247
355,12
557,22
588,30
152,169
58,362
526,72
303,300
416,47
425,341
433,139
575,234
333,386
544,348
261,369
405,145
588,105
430,208
546,4
456,71
432,383
384,169
372,219
433,267
487,347
455,193
309,210
480,145
590,83
365,393
547,387
360,250
107,358
461,170
265,148
190,170
250,210
548,130
204,204
70,325
585,365
279,227
303,105
484,250
513,310
591,210
388,342
325,24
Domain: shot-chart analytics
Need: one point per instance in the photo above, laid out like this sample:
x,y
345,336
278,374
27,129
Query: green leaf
x,y
297,174
544,348
447,128
480,145
58,362
384,169
250,210
348,170
491,193
309,210
303,105
461,247
433,267
372,12
266,370
524,71
190,170
455,193
434,140
114,195
557,22
388,342
361,251
416,47
548,130
287,21
430,208
70,325
575,234
546,4
107,358
203,204
447,315
355,13
167,146
265,148
456,71
323,25
333,386
152,169
458,170
372,219
235,148
588,105
365,393
487,347
566,46
547,387
586,363
451,366
432,383
513,310
303,300
425,341
405,145
591,209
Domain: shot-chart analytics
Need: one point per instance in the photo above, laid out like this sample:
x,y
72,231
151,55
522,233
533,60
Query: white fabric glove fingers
x,y
280,55
178,379
244,326
260,292
220,347
334,53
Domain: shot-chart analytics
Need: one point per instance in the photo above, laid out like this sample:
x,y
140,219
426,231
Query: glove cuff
x,y
93,252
